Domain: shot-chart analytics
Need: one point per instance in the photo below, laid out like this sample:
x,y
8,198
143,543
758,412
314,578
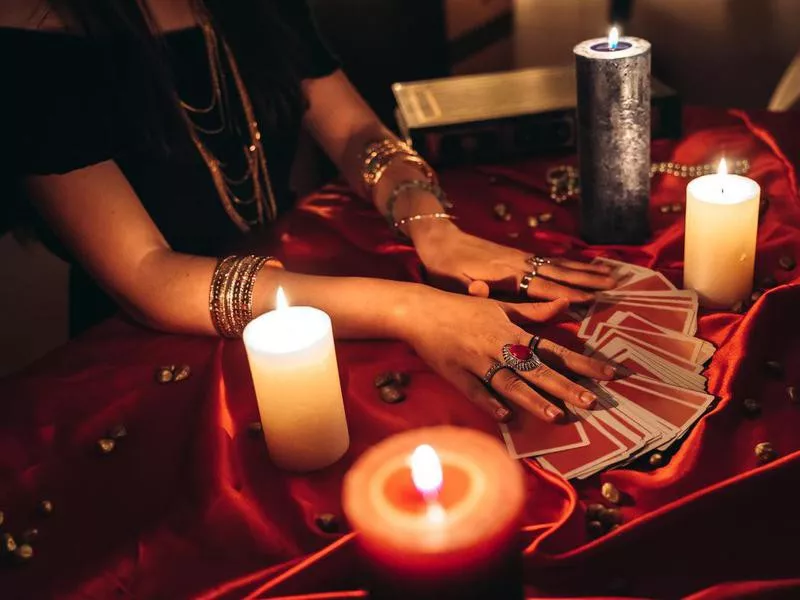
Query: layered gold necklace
x,y
256,172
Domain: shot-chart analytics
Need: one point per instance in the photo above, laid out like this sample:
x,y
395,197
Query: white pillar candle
x,y
296,378
720,244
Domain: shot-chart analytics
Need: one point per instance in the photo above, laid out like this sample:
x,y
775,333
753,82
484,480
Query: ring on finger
x,y
525,282
520,358
496,366
538,261
534,343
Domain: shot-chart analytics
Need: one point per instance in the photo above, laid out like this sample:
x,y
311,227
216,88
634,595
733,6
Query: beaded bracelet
x,y
420,184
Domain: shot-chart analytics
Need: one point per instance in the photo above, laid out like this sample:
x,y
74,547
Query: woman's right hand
x,y
462,337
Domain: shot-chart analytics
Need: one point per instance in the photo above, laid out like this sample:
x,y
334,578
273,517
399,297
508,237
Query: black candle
x,y
613,81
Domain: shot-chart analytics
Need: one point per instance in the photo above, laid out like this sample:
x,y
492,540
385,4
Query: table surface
x,y
188,504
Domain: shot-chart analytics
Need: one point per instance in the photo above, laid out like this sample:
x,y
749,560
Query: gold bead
x,y
533,222
106,445
611,493
183,373
165,374
765,452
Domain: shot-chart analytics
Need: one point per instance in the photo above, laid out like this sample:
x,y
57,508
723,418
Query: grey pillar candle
x,y
614,139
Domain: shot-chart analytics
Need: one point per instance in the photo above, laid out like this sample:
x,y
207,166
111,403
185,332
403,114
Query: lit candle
x,y
613,84
296,378
720,244
438,511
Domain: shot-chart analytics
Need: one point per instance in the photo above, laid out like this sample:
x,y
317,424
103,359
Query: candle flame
x,y
280,300
426,470
723,167
613,38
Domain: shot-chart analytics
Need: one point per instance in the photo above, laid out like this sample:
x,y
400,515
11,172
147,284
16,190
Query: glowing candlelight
x,y
613,38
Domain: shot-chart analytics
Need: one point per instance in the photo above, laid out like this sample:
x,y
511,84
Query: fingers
x,y
479,289
514,389
577,265
554,383
534,312
584,279
548,290
477,393
562,358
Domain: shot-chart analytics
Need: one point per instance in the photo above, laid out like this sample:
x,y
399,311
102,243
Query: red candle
x,y
438,513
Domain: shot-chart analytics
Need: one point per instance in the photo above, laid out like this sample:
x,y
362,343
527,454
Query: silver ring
x,y
526,281
534,342
538,261
496,366
520,358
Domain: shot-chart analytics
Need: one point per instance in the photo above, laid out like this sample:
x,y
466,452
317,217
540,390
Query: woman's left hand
x,y
459,261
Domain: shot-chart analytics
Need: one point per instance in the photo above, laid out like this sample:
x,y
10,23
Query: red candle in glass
x,y
438,513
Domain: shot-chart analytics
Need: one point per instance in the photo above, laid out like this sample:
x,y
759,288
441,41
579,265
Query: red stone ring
x,y
520,358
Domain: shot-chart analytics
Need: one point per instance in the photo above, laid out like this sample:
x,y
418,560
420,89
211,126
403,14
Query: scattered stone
x,y
774,368
23,552
545,217
514,235
611,493
664,208
7,544
506,217
30,535
787,263
765,453
382,379
791,391
611,516
500,210
401,378
391,394
533,222
165,374
118,432
106,445
676,208
595,529
254,428
593,511
755,296
740,307
327,523
656,459
46,508
183,373
752,407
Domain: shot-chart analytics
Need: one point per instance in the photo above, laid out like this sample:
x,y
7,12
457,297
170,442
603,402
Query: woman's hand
x,y
461,262
462,338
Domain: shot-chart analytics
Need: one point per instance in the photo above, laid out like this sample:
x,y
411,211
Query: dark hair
x,y
268,52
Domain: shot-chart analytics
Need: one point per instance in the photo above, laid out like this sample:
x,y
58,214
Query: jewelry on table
x,y
564,182
520,358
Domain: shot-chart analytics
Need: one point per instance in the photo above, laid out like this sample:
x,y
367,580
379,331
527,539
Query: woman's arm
x,y
102,222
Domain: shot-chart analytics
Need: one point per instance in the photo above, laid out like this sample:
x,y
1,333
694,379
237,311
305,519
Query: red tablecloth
x,y
189,504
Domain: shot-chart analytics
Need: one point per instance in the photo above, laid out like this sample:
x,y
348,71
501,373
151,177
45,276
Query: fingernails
x,y
588,399
610,369
613,370
502,414
553,413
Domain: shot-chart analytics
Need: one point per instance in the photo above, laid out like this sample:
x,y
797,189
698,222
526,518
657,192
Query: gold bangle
x,y
413,218
231,292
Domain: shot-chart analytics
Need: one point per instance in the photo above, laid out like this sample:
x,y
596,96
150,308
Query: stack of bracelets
x,y
377,158
230,300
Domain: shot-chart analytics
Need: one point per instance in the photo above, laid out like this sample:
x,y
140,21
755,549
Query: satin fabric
x,y
189,505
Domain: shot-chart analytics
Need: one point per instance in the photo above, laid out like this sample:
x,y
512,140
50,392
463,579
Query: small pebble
x,y
165,374
768,282
595,529
506,217
118,432
327,523
593,511
774,368
611,493
765,452
7,543
739,307
30,535
106,445
46,508
392,394
183,373
500,209
656,459
401,378
533,222
24,552
755,296
545,217
611,516
676,208
791,391
665,208
382,379
751,406
787,263
254,428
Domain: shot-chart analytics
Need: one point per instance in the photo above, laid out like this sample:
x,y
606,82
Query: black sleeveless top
x,y
61,114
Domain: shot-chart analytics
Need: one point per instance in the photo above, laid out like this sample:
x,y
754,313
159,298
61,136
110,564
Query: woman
x,y
149,135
